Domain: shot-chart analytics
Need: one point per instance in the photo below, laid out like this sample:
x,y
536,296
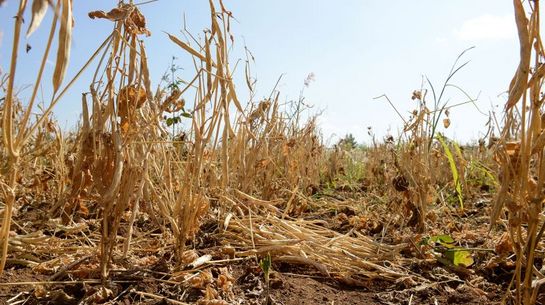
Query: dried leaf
x,y
446,122
512,148
97,14
116,14
189,256
136,23
39,8
133,20
417,95
211,294
173,103
65,39
129,99
202,280
504,246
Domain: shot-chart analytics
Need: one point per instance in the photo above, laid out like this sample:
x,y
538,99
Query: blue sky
x,y
357,50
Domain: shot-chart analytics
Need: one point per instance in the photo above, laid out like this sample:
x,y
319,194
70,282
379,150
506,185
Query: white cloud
x,y
487,27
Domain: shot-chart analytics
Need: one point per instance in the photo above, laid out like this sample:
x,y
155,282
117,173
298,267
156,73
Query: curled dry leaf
x,y
504,246
65,39
129,99
202,280
446,122
134,21
189,256
137,23
417,95
210,293
512,148
39,8
173,103
225,280
40,292
115,14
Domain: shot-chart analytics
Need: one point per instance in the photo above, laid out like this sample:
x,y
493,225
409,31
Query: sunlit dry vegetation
x,y
182,193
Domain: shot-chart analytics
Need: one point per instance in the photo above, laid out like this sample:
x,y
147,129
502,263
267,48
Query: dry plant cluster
x,y
123,199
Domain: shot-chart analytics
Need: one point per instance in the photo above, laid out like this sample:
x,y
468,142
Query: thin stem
x,y
13,150
13,163
28,111
391,104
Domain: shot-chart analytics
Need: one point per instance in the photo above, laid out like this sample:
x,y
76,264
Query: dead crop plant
x,y
113,147
520,153
17,132
205,170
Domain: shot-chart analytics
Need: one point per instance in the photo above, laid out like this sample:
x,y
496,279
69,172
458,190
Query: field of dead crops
x,y
247,205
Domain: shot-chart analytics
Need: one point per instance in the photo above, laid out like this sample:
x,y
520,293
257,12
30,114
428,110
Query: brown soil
x,y
285,288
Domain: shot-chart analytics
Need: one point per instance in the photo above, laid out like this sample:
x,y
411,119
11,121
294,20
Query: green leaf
x,y
453,169
173,120
459,257
442,239
187,115
173,86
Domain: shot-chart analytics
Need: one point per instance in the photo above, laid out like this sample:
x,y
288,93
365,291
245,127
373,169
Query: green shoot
x,y
453,169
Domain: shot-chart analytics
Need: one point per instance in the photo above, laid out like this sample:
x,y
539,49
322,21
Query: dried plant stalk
x,y
65,40
521,156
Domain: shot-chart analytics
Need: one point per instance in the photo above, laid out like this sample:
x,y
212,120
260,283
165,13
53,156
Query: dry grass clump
x,y
274,157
